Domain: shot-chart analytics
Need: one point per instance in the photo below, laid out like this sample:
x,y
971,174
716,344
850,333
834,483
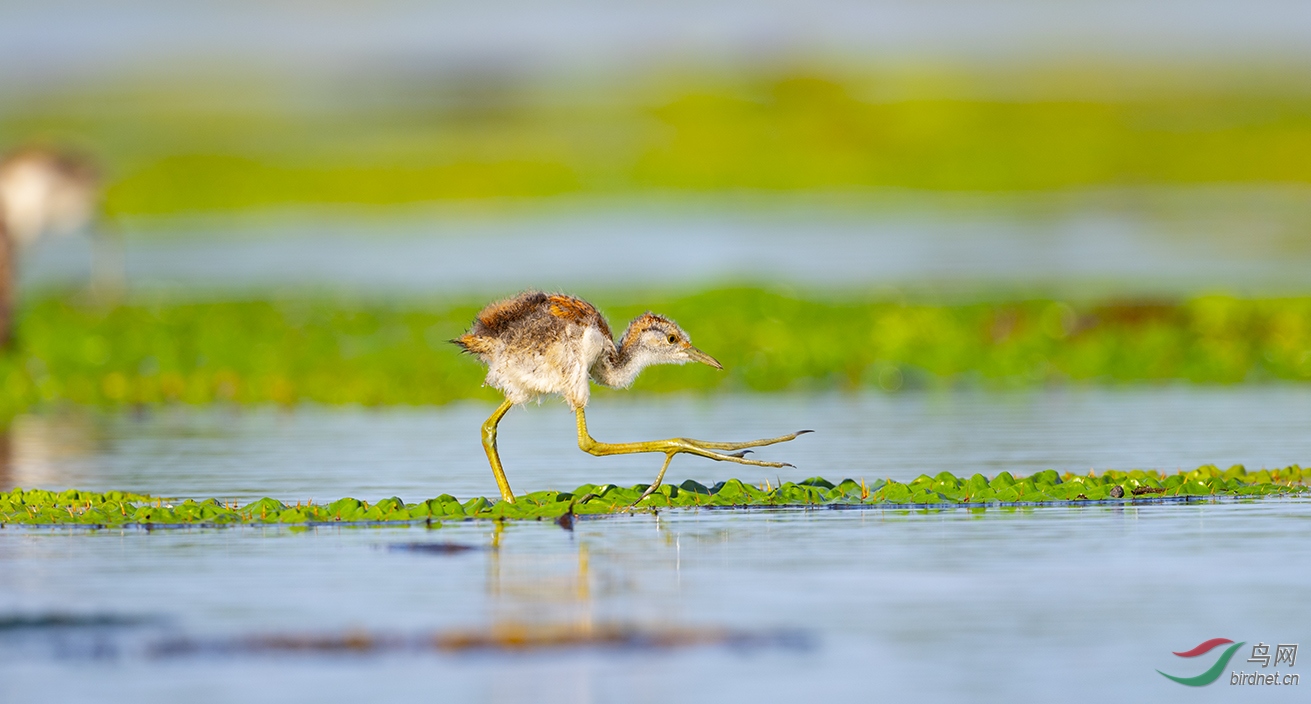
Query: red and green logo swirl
x,y
1213,673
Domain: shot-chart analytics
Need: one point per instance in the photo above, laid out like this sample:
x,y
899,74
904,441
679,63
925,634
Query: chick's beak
x,y
698,356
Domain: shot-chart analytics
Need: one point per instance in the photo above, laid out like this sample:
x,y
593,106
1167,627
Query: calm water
x,y
83,37
325,453
1116,243
1052,603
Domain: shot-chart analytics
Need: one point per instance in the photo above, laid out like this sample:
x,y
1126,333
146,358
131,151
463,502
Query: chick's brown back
x,y
530,320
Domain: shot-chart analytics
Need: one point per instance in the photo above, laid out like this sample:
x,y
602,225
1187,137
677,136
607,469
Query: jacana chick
x,y
538,344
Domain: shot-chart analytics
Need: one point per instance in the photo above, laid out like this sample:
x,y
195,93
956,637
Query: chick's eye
x,y
672,339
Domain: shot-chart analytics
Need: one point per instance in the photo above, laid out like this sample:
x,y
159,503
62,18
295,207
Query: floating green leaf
x,y
114,508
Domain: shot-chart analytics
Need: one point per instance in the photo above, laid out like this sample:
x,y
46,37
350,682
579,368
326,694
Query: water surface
x,y
1078,604
418,453
1135,242
1041,604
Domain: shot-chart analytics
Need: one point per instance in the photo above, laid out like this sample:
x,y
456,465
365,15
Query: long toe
x,y
712,445
741,460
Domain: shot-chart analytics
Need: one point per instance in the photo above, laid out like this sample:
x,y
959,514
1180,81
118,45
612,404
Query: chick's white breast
x,y
560,367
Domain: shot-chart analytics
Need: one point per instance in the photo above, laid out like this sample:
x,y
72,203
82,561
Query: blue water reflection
x,y
1075,604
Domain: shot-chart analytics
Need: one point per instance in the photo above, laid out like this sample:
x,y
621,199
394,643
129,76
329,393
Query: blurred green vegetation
x,y
343,352
116,508
179,152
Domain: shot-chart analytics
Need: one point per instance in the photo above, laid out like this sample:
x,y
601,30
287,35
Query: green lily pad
x,y
116,508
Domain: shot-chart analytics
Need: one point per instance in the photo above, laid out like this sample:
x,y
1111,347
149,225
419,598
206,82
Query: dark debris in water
x,y
502,637
67,636
433,548
115,508
75,636
67,621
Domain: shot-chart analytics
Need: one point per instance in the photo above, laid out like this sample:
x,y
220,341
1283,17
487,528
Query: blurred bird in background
x,y
47,192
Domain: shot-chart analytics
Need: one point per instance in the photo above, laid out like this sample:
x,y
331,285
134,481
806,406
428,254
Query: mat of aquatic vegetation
x,y
72,507
231,146
336,351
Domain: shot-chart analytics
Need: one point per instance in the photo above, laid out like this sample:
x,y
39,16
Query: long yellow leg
x,y
673,446
669,457
489,446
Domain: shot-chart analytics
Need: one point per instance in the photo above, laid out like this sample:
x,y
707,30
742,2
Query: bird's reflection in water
x,y
545,601
49,452
536,596
589,597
